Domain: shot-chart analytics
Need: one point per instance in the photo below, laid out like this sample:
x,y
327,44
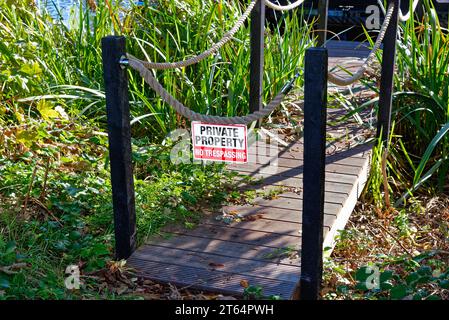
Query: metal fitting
x,y
289,86
124,62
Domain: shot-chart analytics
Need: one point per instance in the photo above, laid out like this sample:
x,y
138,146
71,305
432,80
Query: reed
x,y
421,137
43,56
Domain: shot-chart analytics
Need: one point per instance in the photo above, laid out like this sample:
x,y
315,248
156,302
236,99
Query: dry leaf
x,y
244,283
216,265
254,217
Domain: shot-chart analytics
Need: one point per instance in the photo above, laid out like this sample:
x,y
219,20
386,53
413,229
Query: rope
x,y
340,81
402,17
226,38
194,116
143,68
289,7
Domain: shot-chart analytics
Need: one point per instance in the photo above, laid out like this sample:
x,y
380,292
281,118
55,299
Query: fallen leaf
x,y
253,217
46,110
244,283
148,282
216,265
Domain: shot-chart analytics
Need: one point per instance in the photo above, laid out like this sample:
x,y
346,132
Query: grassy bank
x,y
397,239
56,205
55,201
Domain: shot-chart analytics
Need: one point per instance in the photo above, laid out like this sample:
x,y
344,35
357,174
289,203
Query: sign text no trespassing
x,y
216,142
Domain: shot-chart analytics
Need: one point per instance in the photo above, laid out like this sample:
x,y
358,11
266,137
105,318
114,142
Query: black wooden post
x,y
405,5
119,131
387,76
257,57
323,8
315,105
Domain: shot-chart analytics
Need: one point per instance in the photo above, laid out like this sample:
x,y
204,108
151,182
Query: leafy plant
x,y
256,293
48,63
420,283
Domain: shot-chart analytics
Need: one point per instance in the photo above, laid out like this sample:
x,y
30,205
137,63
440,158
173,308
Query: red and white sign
x,y
217,142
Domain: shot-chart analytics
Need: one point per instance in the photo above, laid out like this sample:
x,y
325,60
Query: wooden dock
x,y
259,243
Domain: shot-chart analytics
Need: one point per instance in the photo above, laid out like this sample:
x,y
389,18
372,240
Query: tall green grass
x,y
418,147
41,56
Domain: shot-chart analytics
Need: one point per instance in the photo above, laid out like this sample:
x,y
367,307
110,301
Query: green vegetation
x,y
56,203
54,170
40,56
421,135
403,255
400,230
418,145
416,283
55,198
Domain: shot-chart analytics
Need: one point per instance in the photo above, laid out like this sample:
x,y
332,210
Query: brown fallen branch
x,y
33,176
10,270
40,204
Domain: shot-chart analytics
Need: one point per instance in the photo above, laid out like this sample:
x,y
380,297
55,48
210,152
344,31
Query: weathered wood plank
x,y
265,172
221,282
237,235
230,249
335,187
264,225
343,165
289,169
351,45
212,262
295,151
349,204
336,198
275,216
285,192
281,222
271,206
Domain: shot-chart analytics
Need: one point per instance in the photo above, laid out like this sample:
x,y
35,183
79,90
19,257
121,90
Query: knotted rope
x,y
340,81
407,16
147,75
215,47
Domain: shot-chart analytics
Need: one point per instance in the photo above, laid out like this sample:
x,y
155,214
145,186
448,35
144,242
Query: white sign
x,y
217,142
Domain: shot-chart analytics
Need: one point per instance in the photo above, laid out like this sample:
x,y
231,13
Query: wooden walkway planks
x,y
262,246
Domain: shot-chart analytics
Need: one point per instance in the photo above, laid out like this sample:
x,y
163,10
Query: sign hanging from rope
x,y
217,142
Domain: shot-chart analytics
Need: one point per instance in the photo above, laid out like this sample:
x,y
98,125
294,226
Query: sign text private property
x,y
216,142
